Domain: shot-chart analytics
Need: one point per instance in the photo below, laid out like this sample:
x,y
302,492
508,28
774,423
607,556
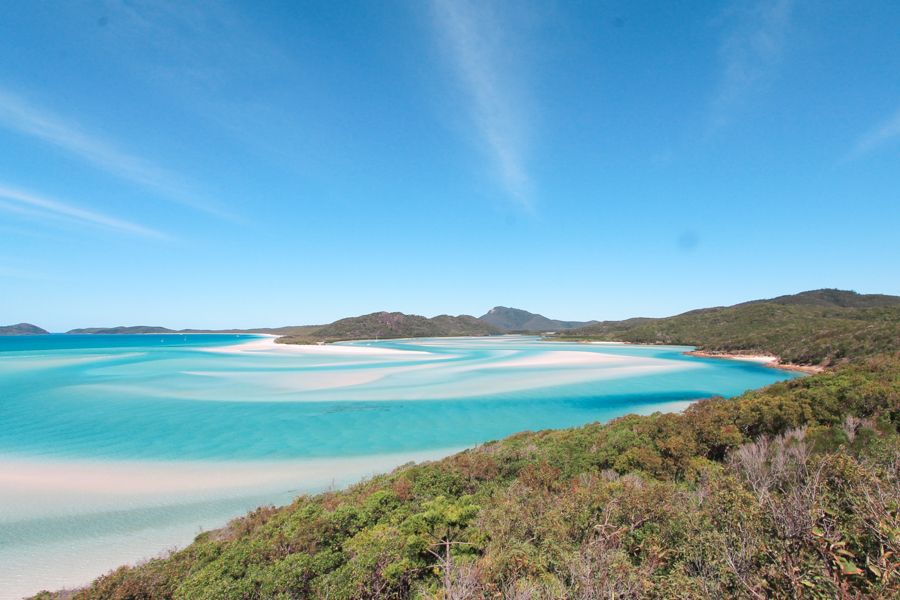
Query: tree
x,y
438,529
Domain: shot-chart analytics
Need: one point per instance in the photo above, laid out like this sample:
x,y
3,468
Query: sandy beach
x,y
766,359
140,509
267,344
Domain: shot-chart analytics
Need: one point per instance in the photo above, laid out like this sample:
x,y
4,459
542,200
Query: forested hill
x,y
385,325
834,298
819,327
786,492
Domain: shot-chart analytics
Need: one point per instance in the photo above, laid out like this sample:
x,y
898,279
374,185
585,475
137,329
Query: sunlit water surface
x,y
115,448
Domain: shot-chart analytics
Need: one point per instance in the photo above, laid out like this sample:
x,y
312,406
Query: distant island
x,y
120,330
22,329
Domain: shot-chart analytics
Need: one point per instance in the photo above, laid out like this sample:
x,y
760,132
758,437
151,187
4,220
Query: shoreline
x,y
196,495
265,343
268,343
768,360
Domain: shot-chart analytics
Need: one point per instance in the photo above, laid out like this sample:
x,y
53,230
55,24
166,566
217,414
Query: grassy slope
x,y
701,504
822,327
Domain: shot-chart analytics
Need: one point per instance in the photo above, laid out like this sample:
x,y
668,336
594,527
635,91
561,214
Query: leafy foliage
x,y
789,491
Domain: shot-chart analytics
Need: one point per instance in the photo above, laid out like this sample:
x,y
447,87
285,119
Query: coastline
x,y
265,344
768,360
146,508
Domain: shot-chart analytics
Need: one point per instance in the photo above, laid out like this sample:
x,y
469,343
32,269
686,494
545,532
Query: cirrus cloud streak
x,y
470,37
40,207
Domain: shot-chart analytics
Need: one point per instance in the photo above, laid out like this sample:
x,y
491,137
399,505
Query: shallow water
x,y
217,428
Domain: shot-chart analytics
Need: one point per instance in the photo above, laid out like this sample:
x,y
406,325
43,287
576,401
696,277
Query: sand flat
x,y
139,509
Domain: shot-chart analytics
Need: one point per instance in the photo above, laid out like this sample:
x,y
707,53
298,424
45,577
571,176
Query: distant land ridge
x,y
121,330
22,329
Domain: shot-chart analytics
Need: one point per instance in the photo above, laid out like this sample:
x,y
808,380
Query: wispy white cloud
x,y
750,53
885,132
472,36
39,207
19,115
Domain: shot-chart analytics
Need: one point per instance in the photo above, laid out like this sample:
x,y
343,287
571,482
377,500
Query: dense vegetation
x,y
522,321
830,297
22,329
788,491
818,327
384,325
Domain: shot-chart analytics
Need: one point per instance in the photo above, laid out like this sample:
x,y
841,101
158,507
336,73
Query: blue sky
x,y
268,163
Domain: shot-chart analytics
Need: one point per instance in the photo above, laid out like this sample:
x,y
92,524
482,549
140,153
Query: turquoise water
x,y
113,448
160,397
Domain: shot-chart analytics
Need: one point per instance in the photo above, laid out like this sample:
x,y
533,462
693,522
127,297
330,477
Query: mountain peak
x,y
515,319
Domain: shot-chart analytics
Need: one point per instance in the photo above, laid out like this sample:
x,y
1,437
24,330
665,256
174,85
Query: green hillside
x,y
385,325
790,491
833,297
813,328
